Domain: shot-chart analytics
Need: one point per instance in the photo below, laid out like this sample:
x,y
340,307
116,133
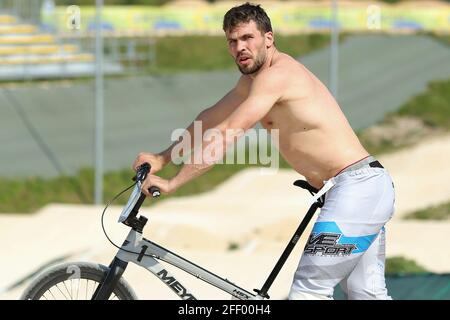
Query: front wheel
x,y
74,281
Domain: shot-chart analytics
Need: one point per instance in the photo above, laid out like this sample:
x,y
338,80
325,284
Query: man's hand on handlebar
x,y
156,161
165,186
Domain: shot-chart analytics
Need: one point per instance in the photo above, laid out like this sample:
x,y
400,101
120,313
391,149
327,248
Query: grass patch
x,y
440,212
395,133
25,195
30,194
443,38
432,107
399,264
376,147
208,53
422,116
233,246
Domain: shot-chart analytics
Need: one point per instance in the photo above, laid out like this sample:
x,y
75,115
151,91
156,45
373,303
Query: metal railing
x,y
133,53
26,10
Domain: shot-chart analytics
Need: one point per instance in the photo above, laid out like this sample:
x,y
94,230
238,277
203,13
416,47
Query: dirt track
x,y
257,211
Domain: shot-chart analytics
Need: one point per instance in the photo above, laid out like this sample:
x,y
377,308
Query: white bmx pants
x,y
347,243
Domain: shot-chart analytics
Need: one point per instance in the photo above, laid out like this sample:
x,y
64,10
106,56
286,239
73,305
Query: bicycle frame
x,y
146,254
147,257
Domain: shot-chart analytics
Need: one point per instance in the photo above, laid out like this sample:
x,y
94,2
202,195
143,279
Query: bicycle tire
x,y
60,274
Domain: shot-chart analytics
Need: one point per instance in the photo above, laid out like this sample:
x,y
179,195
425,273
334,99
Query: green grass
x,y
207,53
445,39
440,212
175,54
28,195
399,264
376,148
233,246
432,107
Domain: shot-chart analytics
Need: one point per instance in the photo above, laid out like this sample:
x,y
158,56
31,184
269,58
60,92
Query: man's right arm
x,y
209,117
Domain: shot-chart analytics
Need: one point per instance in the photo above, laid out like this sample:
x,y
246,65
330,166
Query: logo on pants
x,y
326,244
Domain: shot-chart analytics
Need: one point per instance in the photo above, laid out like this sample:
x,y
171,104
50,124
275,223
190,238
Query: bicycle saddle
x,y
305,185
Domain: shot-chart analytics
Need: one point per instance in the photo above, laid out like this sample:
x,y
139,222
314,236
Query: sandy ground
x,y
257,210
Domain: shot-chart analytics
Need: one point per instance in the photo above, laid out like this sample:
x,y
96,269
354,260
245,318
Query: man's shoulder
x,y
243,85
291,71
274,76
287,65
284,66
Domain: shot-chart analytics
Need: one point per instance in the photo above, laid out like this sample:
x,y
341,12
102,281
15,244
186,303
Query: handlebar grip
x,y
154,191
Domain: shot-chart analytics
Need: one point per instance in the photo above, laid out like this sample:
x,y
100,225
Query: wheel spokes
x,y
74,291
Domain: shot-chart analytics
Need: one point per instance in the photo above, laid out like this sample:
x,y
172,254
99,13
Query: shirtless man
x,y
346,245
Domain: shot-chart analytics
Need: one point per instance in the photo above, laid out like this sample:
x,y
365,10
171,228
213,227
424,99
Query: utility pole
x,y
98,118
334,50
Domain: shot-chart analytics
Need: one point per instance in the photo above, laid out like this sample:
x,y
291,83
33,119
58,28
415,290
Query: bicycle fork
x,y
107,285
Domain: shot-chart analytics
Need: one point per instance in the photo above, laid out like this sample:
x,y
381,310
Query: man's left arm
x,y
266,90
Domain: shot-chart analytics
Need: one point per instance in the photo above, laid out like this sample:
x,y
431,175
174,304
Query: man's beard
x,y
258,63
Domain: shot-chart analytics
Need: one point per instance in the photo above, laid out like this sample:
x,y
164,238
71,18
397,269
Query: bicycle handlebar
x,y
129,213
142,172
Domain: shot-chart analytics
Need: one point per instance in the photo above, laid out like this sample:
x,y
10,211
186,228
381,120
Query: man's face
x,y
248,46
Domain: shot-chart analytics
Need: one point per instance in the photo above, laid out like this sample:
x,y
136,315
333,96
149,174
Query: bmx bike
x,y
92,281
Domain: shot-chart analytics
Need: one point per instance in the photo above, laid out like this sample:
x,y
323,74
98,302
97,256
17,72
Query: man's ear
x,y
269,39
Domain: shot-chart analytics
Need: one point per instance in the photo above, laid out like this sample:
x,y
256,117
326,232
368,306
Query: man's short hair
x,y
245,13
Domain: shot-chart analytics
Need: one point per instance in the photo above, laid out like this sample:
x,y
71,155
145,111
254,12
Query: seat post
x,y
287,251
